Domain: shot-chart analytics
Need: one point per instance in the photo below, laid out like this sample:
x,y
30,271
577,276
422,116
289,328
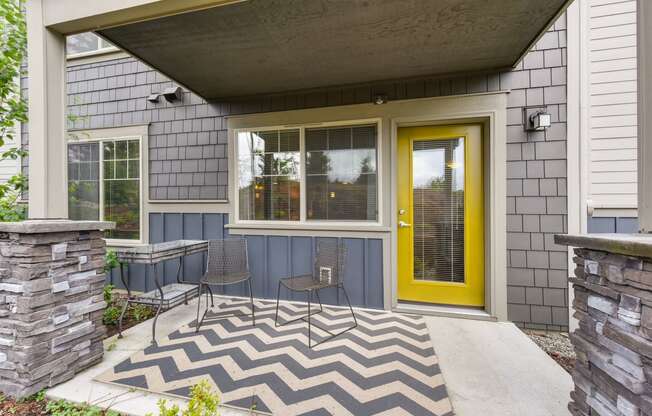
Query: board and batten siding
x,y
270,259
612,113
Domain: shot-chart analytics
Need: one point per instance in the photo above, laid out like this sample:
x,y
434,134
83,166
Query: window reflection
x,y
122,188
83,181
341,173
119,185
438,209
268,163
85,43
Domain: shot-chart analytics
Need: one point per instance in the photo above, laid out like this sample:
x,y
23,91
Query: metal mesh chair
x,y
228,264
328,272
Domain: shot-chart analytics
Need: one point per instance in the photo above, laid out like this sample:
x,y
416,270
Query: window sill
x,y
95,56
94,52
354,227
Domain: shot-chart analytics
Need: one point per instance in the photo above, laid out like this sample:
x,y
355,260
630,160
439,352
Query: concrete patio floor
x,y
490,368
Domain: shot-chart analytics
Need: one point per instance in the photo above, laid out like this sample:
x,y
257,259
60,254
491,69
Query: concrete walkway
x,y
490,368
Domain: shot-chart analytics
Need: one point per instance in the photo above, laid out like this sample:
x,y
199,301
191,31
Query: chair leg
x,y
198,306
251,298
278,297
355,320
321,308
211,292
309,328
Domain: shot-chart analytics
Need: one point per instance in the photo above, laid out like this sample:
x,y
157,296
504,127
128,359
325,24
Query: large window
x,y
86,43
338,183
104,184
341,173
269,175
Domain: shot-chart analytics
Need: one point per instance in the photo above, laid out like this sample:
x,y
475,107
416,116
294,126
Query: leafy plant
x,y
111,261
112,345
40,396
203,402
141,312
107,292
13,109
111,315
65,408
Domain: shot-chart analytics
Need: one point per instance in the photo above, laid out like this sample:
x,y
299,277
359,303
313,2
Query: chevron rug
x,y
385,366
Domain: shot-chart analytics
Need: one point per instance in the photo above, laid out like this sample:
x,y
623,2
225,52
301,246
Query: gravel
x,y
557,345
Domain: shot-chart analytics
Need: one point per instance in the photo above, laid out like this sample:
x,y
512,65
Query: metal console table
x,y
166,296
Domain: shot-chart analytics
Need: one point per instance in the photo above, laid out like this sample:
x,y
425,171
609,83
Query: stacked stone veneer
x,y
613,303
50,305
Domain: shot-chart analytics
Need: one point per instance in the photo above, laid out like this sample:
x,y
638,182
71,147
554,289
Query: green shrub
x,y
108,294
110,261
65,408
203,402
111,315
141,312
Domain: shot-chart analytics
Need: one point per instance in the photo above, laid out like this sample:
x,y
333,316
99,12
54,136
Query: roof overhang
x,y
260,46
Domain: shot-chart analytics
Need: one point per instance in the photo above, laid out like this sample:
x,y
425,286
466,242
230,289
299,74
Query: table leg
x,y
124,307
160,305
122,314
125,282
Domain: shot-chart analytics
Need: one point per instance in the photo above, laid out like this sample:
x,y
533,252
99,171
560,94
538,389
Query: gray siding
x,y
536,188
270,258
188,160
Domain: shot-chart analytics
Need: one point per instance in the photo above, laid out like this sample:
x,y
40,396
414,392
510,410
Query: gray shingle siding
x,y
185,147
536,187
188,153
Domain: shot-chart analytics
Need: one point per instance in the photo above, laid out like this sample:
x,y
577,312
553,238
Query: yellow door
x,y
441,215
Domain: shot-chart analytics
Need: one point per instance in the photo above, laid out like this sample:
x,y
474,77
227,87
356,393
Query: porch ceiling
x,y
265,46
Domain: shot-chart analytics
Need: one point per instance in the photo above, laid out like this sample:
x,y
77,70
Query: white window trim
x,y
303,221
143,148
99,51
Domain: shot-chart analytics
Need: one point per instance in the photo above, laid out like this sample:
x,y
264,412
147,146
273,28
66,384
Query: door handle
x,y
403,224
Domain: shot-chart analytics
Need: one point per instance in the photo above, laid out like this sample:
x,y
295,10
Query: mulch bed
x,y
27,407
128,322
557,345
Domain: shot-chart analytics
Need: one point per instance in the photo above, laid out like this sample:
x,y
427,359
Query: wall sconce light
x,y
380,99
171,95
540,121
536,119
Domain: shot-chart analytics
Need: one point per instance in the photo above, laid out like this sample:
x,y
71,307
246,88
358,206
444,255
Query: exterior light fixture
x,y
540,121
380,99
171,94
536,119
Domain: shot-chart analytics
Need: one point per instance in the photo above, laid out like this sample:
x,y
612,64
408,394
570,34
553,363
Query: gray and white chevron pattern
x,y
385,366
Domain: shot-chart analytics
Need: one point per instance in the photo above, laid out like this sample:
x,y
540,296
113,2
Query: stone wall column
x,y
51,302
613,306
